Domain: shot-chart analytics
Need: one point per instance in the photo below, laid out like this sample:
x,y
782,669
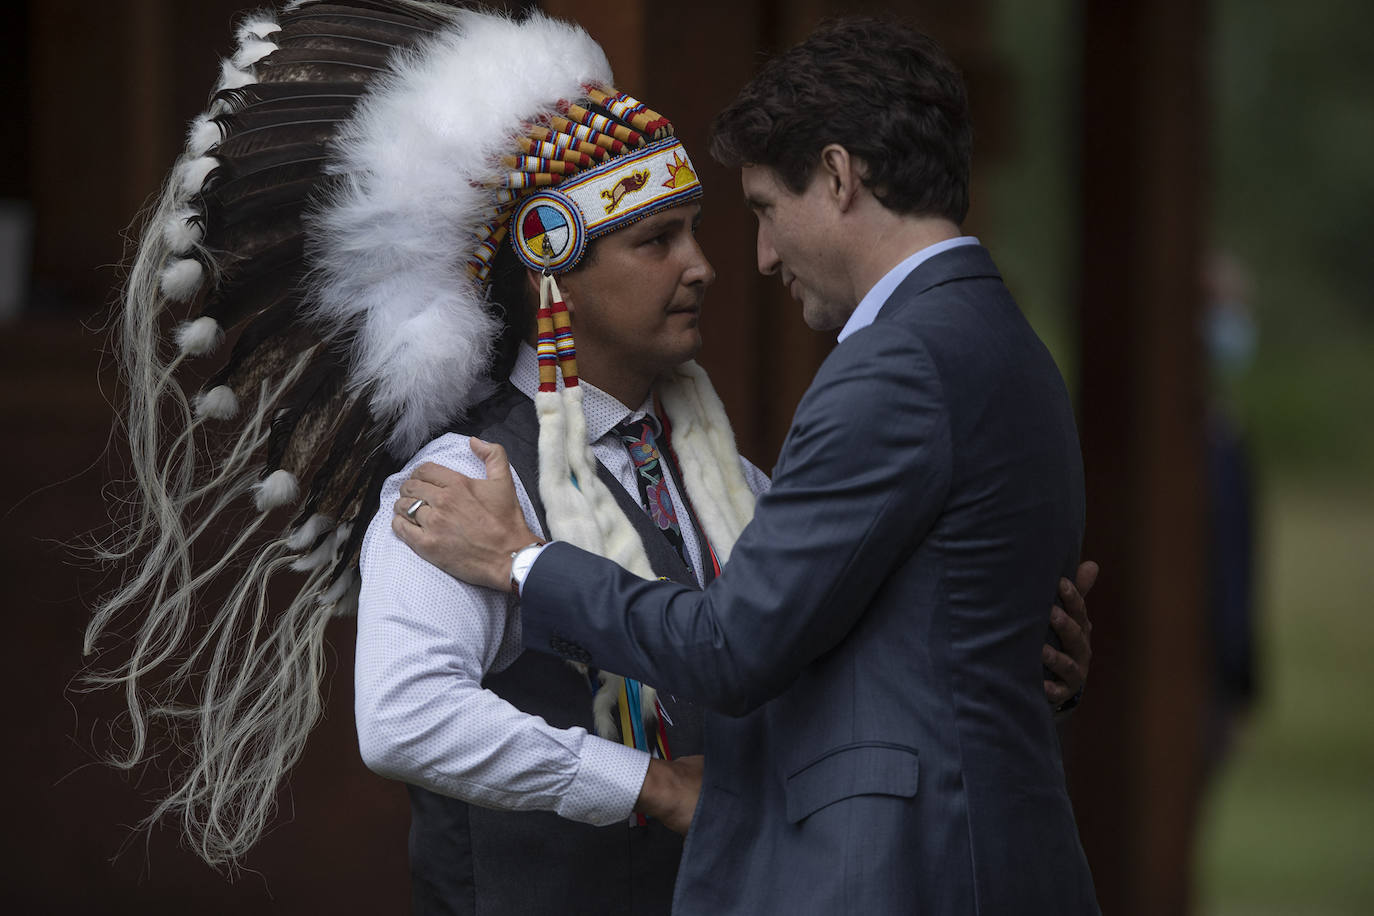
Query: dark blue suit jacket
x,y
881,741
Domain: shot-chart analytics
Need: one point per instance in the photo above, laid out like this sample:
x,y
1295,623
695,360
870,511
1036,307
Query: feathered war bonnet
x,y
331,225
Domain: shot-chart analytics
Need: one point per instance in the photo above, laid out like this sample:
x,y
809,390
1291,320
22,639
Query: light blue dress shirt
x,y
873,300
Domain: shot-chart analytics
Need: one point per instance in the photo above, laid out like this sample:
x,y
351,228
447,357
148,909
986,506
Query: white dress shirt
x,y
872,302
426,640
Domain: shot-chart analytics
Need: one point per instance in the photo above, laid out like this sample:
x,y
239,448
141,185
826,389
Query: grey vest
x,y
483,862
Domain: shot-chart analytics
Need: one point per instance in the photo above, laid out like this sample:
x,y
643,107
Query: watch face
x,y
549,232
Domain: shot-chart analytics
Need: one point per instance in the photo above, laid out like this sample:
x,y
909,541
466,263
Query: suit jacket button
x,y
569,649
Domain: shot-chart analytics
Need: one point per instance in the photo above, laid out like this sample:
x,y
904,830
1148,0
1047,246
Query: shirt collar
x,y
873,300
601,410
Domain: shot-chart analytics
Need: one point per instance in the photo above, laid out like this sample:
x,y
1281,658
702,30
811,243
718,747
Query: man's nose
x,y
700,269
768,258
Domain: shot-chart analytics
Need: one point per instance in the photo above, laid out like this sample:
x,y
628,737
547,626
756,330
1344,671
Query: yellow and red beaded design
x,y
549,232
591,168
559,223
555,348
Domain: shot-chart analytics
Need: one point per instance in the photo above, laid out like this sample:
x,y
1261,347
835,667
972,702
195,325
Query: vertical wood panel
x,y
1135,745
696,72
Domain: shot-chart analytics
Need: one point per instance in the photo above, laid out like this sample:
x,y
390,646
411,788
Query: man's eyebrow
x,y
651,225
658,222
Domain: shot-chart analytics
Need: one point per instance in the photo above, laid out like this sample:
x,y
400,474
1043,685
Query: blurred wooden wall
x,y
102,94
1135,748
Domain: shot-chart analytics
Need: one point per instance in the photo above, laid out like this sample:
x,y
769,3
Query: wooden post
x,y
1134,750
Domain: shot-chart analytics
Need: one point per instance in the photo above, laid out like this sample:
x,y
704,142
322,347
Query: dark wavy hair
x,y
885,92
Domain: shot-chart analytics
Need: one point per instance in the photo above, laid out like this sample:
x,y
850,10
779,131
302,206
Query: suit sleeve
x,y
861,479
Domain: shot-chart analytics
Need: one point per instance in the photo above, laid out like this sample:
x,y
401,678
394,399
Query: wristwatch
x,y
520,562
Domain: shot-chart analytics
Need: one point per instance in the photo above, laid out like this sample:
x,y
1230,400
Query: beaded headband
x,y
591,170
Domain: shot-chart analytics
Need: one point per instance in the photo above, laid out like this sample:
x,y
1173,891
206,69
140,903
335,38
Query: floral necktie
x,y
640,438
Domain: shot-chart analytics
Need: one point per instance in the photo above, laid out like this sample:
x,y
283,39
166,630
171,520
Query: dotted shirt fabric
x,y
426,640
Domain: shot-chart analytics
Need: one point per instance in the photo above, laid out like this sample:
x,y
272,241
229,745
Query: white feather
x,y
202,136
342,533
340,588
346,605
196,338
252,51
180,233
416,156
219,403
308,533
316,558
256,28
231,77
181,279
277,489
192,173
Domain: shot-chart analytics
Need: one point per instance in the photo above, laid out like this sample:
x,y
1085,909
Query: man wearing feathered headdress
x,y
399,231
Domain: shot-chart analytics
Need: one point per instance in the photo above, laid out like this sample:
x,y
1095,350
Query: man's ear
x,y
533,278
842,174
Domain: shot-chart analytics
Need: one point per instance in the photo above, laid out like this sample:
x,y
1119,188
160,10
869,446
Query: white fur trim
x,y
193,172
279,488
588,516
231,77
568,519
219,403
180,279
308,533
648,703
602,705
417,154
180,233
196,338
705,447
252,51
203,135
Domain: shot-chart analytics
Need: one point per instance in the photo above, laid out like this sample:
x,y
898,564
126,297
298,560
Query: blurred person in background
x,y
1230,336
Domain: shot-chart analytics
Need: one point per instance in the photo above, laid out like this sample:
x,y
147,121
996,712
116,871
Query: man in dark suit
x,y
872,649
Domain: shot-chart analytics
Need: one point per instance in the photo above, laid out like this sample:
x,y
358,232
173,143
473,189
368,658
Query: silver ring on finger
x,y
415,507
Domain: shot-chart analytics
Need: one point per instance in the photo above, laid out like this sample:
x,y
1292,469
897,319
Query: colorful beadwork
x,y
611,166
550,232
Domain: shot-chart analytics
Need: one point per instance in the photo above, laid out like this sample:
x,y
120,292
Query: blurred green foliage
x,y
1289,822
1292,198
1029,217
1293,172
